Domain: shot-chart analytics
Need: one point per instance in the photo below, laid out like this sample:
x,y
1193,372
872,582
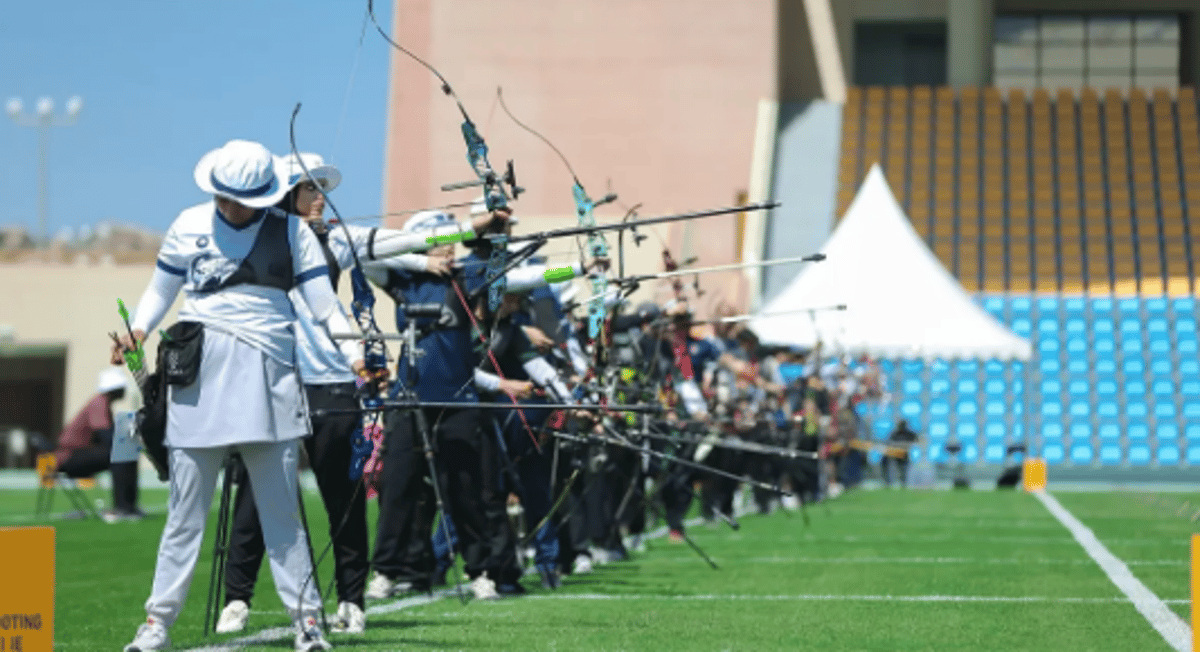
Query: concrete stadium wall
x,y
659,98
807,152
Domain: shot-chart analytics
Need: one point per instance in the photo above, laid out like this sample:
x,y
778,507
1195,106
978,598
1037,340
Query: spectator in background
x,y
901,438
85,446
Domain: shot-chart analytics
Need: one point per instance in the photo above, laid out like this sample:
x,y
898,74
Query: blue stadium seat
x,y
1107,408
1048,327
1156,324
1166,432
1184,305
996,387
994,369
1102,325
1021,326
1163,388
968,386
994,408
1193,455
1047,305
913,367
1135,388
1076,327
1137,432
994,305
1187,346
1078,388
1081,454
1131,326
1052,431
1133,366
1189,369
939,385
911,386
939,407
1019,304
1073,306
1051,386
1077,364
1106,366
1160,366
939,430
1080,408
1102,304
1110,455
967,430
1192,431
1052,408
886,367
1109,431
967,408
1136,408
1048,345
994,453
969,453
882,428
1049,365
994,429
1164,409
1168,454
1053,453
1077,345
1104,344
966,366
1132,345
1191,409
1155,306
1185,325
910,408
1139,455
1106,388
1080,431
1129,306
1160,344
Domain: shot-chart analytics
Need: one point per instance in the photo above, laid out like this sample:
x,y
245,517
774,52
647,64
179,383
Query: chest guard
x,y
269,262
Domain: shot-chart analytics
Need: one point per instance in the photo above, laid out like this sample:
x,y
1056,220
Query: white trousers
x,y
273,473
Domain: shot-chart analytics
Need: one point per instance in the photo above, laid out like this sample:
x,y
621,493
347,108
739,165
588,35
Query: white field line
x,y
960,538
1173,629
841,598
283,633
951,560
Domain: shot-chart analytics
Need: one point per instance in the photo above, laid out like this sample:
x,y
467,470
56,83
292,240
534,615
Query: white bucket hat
x,y
243,171
291,171
428,221
110,379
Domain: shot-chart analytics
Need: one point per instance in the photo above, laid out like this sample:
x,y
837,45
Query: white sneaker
x,y
483,588
309,637
233,617
582,566
350,619
381,586
152,635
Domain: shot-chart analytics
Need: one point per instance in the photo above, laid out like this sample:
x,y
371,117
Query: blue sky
x,y
164,81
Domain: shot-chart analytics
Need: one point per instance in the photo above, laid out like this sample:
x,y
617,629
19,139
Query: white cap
x,y
243,171
291,171
111,379
428,221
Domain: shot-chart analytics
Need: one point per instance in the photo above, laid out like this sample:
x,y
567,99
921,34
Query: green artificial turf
x,y
876,570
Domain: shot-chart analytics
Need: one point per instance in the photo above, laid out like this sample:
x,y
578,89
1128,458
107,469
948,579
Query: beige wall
x,y
75,306
660,98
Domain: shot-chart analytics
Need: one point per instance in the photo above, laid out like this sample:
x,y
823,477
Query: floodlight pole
x,y
43,119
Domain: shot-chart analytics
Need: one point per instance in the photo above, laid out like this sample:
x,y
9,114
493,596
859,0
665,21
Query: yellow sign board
x,y
1033,474
27,594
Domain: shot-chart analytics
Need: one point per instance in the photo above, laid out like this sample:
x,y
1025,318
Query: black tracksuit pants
x,y
345,501
470,487
87,462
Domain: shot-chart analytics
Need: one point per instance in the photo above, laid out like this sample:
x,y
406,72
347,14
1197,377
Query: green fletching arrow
x,y
135,359
559,274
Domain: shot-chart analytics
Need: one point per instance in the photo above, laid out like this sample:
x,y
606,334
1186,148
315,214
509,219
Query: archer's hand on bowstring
x,y
125,345
370,382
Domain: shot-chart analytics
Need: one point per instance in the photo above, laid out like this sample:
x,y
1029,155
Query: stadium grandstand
x,y
1065,197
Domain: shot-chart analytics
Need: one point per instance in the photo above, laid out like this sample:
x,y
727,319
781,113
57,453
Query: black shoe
x,y
550,578
511,589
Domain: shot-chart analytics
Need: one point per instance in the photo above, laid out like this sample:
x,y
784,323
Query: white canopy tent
x,y
900,302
